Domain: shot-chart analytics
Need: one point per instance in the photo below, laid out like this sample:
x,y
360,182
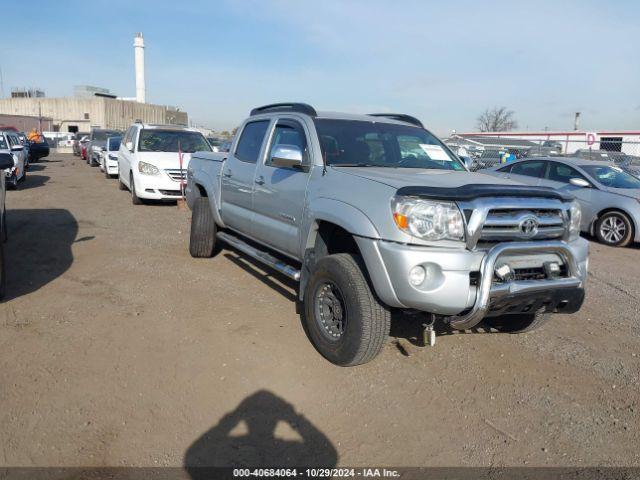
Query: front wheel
x,y
134,196
614,229
344,320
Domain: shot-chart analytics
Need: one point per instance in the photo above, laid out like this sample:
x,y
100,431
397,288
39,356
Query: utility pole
x,y
576,121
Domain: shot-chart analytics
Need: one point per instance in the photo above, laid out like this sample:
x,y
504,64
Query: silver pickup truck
x,y
371,213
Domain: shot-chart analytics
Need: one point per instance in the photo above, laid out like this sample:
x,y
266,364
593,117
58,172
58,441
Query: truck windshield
x,y
355,143
155,140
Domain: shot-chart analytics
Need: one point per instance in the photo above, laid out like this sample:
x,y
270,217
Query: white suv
x,y
149,160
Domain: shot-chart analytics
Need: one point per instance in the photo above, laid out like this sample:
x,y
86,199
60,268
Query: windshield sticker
x,y
435,152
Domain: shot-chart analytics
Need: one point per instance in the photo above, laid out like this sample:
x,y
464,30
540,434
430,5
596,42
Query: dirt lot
x,y
118,348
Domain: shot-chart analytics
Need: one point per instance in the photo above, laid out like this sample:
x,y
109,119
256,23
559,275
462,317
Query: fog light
x,y
503,272
552,269
417,275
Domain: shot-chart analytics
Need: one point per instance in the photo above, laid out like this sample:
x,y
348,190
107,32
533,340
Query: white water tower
x,y
138,47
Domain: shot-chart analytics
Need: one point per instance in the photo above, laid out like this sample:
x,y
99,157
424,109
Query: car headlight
x,y
575,218
428,219
113,157
147,169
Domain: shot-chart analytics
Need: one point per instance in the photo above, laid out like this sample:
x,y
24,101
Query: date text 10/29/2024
x,y
316,472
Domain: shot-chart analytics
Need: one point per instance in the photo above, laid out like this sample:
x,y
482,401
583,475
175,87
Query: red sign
x,y
591,139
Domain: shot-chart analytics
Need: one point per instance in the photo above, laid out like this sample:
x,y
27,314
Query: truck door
x,y
238,174
279,195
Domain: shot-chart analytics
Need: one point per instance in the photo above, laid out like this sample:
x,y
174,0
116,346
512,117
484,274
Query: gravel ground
x,y
117,348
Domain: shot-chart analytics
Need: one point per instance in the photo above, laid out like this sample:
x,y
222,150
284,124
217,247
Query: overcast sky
x,y
443,62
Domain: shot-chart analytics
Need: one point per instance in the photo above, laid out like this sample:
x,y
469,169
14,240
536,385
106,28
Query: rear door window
x,y
250,142
529,169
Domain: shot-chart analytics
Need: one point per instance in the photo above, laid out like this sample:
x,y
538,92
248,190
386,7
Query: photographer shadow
x,y
246,437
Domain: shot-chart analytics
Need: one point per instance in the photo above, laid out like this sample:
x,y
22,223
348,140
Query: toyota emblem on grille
x,y
529,226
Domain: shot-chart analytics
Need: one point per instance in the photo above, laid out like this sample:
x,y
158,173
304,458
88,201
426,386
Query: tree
x,y
497,119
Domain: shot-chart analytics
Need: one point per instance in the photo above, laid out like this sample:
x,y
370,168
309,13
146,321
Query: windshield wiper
x,y
355,165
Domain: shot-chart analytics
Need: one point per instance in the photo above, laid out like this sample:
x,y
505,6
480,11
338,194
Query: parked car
x,y
24,141
149,160
109,157
6,163
629,163
554,146
78,140
609,196
38,149
215,143
97,141
10,143
371,213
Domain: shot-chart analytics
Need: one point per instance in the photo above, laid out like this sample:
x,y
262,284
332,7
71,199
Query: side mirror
x,y
17,148
579,182
286,156
129,146
6,161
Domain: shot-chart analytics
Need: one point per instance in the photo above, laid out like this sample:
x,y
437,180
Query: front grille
x,y
176,174
522,224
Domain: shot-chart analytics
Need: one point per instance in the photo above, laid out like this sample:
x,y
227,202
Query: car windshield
x,y
156,140
613,177
354,143
101,135
114,143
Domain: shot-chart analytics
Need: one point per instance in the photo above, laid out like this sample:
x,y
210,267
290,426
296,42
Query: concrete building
x,y
80,114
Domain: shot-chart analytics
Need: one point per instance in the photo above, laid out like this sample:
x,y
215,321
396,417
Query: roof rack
x,y
286,107
399,116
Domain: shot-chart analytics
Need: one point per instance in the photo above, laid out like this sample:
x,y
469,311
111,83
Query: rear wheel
x,y
519,323
344,320
202,242
614,229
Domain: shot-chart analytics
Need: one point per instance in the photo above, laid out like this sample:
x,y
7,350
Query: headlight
x,y
147,169
428,219
575,218
113,157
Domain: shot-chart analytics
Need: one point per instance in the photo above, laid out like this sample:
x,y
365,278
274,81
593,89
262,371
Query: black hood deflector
x,y
472,191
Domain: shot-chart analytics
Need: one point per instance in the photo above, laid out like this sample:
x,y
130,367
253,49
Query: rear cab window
x,y
251,139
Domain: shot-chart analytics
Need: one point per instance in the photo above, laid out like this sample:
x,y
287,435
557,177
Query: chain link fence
x,y
480,152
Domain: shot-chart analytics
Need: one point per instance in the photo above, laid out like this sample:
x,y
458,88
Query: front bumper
x,y
460,283
157,187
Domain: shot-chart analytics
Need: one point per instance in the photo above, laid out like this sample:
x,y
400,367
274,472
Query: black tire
x,y
3,273
24,176
134,198
12,182
358,325
121,186
202,242
518,323
614,229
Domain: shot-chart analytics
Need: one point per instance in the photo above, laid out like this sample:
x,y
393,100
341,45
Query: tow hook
x,y
428,331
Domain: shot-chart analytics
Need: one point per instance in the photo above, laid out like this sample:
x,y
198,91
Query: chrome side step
x,y
260,255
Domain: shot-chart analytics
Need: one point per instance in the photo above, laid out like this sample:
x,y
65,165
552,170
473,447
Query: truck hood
x,y
403,177
164,160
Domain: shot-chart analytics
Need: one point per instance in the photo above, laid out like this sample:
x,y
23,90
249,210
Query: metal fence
x,y
488,152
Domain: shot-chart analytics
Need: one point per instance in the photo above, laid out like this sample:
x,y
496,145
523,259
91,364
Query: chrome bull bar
x,y
486,291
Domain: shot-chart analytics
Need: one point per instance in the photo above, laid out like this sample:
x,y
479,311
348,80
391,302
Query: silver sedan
x,y
609,196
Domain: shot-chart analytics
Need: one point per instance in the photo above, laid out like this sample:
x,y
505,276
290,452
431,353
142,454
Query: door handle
x,y
227,174
260,180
